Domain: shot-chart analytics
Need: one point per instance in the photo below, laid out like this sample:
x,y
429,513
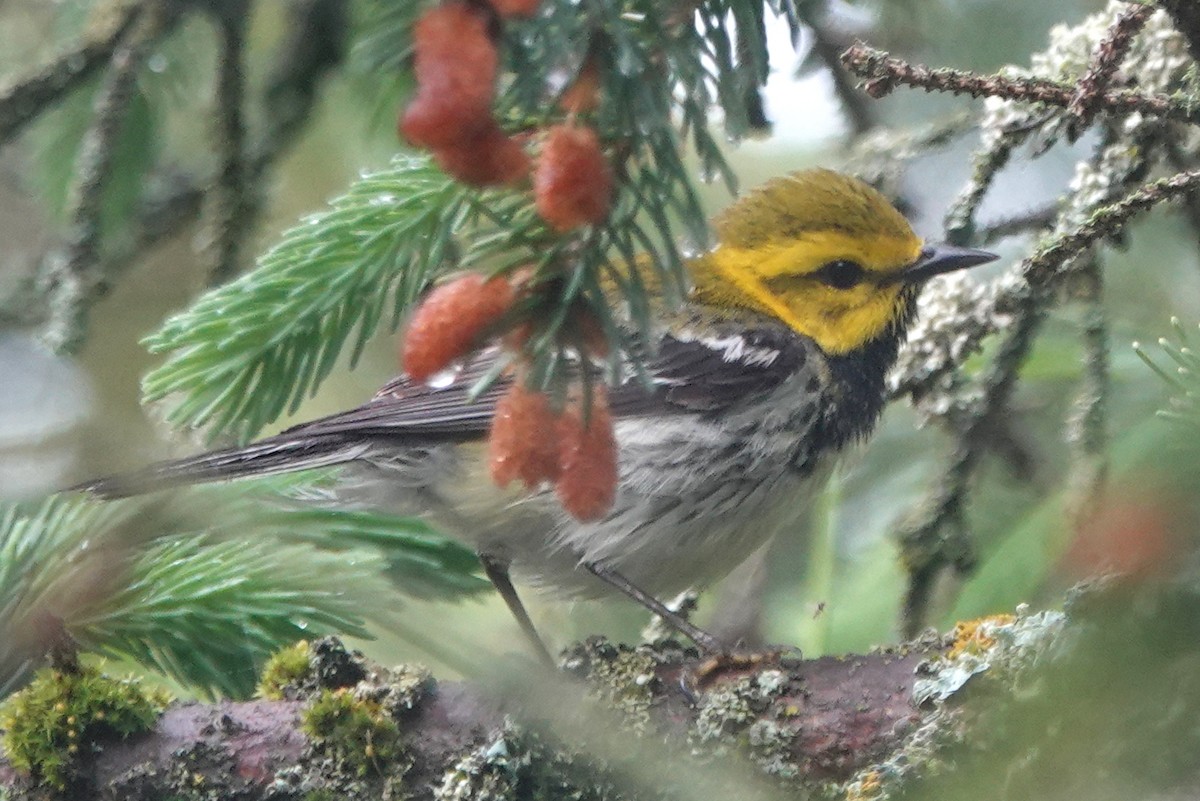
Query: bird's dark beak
x,y
938,259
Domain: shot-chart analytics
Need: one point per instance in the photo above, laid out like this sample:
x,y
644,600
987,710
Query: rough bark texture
x,y
1099,702
822,719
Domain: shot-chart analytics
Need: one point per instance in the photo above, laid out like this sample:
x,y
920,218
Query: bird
x,y
774,364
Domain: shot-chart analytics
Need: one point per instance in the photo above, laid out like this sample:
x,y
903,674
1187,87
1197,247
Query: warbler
x,y
775,364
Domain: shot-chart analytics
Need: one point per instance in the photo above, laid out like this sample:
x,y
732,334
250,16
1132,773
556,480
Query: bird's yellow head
x,y
825,254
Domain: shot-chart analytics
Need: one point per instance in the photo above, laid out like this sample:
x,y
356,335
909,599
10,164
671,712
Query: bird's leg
x,y
707,642
497,573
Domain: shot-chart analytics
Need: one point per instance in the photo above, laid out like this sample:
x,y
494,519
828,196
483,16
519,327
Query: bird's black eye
x,y
841,274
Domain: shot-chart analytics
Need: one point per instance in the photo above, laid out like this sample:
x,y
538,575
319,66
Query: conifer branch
x,y
883,74
247,353
1181,376
204,588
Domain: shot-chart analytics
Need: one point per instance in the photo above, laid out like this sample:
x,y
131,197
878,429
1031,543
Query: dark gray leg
x,y
708,643
497,573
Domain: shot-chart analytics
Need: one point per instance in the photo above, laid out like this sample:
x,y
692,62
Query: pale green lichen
x,y
397,690
624,678
1158,57
1014,642
738,714
770,745
489,773
518,763
1001,649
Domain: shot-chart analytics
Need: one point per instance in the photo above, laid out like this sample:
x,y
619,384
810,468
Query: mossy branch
x,y
980,709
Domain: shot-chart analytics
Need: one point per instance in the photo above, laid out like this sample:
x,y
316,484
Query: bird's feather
x,y
688,375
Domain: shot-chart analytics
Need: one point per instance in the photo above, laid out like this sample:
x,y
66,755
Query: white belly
x,y
689,510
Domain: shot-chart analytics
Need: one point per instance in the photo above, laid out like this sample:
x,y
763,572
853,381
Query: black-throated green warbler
x,y
775,364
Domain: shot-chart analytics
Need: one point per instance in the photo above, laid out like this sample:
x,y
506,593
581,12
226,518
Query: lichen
x,y
1001,645
518,763
355,731
740,713
976,636
489,773
623,677
1001,648
60,715
866,786
397,690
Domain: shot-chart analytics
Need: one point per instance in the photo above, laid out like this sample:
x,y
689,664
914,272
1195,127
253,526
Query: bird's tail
x,y
271,456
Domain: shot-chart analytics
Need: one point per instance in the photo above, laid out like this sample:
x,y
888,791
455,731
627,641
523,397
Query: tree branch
x,y
883,74
27,97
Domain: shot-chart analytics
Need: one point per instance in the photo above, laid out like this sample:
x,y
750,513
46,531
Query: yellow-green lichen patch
x,y
866,786
976,636
356,732
287,668
60,715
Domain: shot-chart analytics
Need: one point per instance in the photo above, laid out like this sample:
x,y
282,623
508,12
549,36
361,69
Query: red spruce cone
x,y
522,443
493,158
572,183
587,483
455,65
451,322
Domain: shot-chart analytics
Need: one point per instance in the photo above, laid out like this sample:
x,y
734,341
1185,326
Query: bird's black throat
x,y
858,387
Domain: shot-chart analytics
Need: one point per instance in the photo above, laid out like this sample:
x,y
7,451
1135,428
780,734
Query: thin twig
x,y
1030,221
1087,427
1179,160
230,220
75,276
172,201
986,164
884,73
315,43
1106,61
24,99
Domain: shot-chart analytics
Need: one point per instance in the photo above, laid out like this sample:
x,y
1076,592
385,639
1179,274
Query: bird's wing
x,y
688,374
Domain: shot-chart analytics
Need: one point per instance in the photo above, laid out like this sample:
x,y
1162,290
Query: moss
x,y
287,668
60,715
355,731
300,672
322,794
